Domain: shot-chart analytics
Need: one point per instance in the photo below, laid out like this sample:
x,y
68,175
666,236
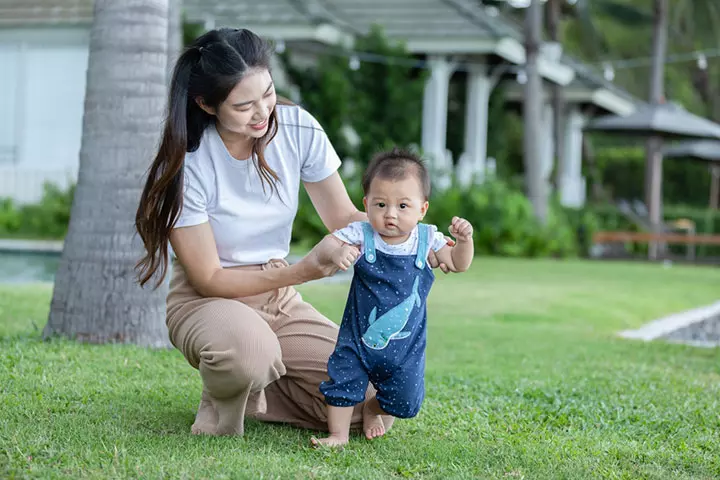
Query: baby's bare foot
x,y
331,441
373,424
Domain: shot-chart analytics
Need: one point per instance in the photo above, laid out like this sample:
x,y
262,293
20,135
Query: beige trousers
x,y
262,356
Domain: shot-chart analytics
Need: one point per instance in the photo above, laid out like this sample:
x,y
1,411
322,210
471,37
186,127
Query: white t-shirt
x,y
252,226
354,235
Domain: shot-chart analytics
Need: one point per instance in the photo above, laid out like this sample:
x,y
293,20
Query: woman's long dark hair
x,y
208,69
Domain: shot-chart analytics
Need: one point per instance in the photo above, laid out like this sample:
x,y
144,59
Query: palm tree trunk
x,y
536,185
96,296
653,159
556,92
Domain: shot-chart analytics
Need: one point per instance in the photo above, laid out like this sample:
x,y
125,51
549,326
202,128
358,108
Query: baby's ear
x,y
424,208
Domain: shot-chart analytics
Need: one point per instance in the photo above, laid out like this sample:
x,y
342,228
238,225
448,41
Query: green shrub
x,y
379,101
502,217
48,219
623,174
9,217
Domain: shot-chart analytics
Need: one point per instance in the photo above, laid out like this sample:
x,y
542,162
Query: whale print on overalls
x,y
382,336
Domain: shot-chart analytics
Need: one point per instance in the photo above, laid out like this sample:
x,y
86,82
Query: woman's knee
x,y
239,352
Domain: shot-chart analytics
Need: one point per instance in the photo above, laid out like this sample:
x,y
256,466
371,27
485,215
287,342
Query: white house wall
x,y
9,56
41,122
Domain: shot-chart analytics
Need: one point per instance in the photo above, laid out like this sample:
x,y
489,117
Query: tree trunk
x,y
175,34
714,187
536,184
594,174
96,296
556,92
653,158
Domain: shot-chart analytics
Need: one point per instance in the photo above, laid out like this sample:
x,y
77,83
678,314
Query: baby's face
x,y
394,208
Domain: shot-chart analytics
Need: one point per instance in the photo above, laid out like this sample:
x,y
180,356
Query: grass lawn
x,y
525,379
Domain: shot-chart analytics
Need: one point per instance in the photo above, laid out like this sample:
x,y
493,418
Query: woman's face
x,y
246,111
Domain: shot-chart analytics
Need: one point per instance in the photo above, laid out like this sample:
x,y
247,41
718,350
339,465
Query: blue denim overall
x,y
382,335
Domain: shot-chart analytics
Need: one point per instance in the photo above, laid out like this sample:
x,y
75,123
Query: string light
x,y
280,46
521,77
354,63
608,72
670,59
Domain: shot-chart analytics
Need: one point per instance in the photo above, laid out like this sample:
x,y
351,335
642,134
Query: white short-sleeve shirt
x,y
252,225
354,235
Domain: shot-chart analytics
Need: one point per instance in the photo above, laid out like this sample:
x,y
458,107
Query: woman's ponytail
x,y
161,199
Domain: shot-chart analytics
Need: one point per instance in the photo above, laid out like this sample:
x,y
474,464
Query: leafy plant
x,y
47,219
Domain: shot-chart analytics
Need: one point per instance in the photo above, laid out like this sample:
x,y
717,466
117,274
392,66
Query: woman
x,y
223,190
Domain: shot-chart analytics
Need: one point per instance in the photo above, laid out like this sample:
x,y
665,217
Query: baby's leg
x,y
345,388
339,426
402,394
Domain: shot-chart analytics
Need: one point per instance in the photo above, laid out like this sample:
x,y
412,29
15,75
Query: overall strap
x,y
422,249
369,241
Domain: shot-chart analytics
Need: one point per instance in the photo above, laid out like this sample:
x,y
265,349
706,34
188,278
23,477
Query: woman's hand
x,y
320,261
433,260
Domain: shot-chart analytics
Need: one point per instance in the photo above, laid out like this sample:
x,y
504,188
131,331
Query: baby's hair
x,y
397,164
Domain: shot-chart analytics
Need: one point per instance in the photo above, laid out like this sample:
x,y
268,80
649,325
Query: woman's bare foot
x,y
331,441
206,420
220,416
375,421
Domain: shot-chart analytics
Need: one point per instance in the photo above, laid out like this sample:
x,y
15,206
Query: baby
x,y
382,335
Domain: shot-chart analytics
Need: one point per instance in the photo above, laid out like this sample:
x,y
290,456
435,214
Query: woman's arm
x,y
332,203
195,248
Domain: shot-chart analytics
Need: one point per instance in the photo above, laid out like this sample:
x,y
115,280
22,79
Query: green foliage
x,y
48,219
383,103
191,31
326,92
9,217
596,30
623,175
387,98
502,218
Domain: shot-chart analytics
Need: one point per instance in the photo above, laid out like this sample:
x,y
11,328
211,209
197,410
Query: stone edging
x,y
699,327
30,246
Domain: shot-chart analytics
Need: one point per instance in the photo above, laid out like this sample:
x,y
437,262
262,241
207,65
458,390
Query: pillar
x,y
472,163
435,100
572,183
547,156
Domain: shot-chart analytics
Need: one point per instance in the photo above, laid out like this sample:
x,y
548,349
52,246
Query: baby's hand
x,y
344,257
461,229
